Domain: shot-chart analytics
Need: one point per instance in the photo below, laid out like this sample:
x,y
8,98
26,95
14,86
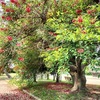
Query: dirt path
x,y
8,92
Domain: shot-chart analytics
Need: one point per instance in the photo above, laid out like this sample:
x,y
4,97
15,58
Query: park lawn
x,y
49,90
53,91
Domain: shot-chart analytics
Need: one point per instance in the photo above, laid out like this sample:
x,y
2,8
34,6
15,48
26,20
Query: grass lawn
x,y
60,91
49,90
53,91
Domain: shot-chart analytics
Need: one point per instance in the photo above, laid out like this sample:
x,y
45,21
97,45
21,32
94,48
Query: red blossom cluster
x,y
80,19
78,11
3,3
9,38
9,10
14,1
3,29
1,50
74,20
21,59
28,9
18,44
8,18
53,34
80,50
90,12
3,17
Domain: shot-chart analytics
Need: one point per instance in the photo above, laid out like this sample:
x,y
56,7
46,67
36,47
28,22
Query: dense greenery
x,y
63,35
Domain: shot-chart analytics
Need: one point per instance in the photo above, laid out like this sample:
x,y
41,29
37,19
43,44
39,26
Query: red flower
x,y
80,50
21,59
54,34
1,50
3,29
14,1
73,21
78,11
28,9
80,19
3,3
9,38
18,44
89,11
3,17
8,10
8,18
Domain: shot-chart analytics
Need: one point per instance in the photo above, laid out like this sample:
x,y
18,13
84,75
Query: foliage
x,y
21,34
75,34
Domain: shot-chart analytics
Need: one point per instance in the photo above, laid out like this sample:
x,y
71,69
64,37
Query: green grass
x,y
47,94
39,89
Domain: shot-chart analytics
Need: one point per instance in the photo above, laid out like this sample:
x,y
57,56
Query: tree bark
x,y
79,82
78,77
34,77
47,76
57,78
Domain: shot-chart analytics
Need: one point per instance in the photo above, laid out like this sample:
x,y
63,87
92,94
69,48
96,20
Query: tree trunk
x,y
7,74
72,77
34,77
42,76
57,78
78,76
79,82
47,76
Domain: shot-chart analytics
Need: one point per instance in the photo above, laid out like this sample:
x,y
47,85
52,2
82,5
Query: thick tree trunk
x,y
72,77
7,74
57,78
78,76
79,82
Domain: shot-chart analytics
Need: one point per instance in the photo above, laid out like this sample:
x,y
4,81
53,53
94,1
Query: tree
x,y
67,31
21,22
75,34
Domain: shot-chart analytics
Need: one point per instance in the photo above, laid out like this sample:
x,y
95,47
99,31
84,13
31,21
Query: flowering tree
x,y
20,22
67,32
74,32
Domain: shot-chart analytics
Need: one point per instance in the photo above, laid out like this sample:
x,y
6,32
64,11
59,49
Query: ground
x,y
92,94
47,90
9,92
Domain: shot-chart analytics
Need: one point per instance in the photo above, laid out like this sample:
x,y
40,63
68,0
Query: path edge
x,y
25,91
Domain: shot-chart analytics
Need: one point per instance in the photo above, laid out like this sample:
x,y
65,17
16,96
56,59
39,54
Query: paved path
x,y
93,80
8,92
